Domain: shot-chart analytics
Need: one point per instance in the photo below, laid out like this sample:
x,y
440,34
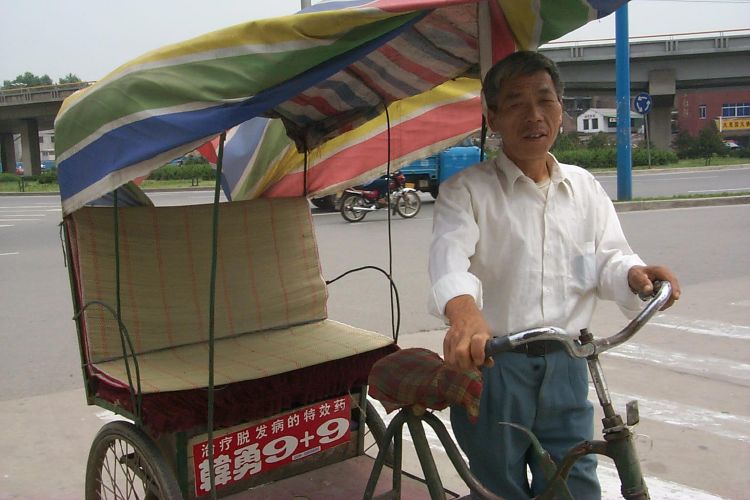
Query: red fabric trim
x,y
503,43
248,400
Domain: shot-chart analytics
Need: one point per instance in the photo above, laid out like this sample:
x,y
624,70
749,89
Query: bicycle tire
x,y
124,462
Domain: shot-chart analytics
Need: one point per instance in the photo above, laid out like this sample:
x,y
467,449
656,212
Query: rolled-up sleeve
x,y
454,237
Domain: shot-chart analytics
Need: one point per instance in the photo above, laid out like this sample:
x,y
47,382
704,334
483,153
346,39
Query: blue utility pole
x,y
622,68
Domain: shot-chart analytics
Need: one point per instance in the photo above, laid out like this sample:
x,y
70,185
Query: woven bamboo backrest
x,y
268,272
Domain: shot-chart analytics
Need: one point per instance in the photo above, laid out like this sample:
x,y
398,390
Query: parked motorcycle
x,y
403,201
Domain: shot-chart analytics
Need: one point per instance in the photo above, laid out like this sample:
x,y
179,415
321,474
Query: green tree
x,y
566,142
28,79
685,145
710,143
69,78
598,141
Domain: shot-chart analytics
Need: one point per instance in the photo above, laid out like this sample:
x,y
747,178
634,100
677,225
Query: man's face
x,y
527,116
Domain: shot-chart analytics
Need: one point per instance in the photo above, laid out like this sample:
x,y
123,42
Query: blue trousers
x,y
549,396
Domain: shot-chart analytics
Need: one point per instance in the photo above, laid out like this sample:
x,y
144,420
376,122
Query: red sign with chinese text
x,y
273,443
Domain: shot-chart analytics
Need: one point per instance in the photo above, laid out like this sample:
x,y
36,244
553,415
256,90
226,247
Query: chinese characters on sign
x,y
271,444
734,123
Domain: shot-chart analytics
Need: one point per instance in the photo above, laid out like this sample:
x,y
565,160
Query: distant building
x,y
46,146
729,109
604,120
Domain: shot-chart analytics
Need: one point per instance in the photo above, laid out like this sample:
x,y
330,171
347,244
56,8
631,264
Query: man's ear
x,y
491,115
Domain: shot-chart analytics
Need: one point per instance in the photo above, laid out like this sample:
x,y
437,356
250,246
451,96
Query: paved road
x,y
689,368
673,182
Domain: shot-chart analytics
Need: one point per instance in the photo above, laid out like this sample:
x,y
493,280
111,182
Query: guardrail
x,y
40,93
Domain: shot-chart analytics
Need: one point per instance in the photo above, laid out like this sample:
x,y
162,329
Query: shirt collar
x,y
513,173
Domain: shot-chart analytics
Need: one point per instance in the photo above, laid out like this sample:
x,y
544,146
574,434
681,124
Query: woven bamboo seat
x,y
270,312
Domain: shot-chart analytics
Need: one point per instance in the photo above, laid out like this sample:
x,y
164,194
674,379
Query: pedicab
x,y
206,326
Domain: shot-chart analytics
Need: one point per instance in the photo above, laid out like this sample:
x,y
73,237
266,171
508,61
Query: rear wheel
x,y
349,206
124,462
408,204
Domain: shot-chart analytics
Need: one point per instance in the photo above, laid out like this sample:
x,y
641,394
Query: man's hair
x,y
518,64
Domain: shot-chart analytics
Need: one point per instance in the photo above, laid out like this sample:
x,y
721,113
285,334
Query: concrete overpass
x,y
660,67
26,111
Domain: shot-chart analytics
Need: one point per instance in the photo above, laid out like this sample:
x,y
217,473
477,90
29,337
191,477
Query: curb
x,y
620,206
632,206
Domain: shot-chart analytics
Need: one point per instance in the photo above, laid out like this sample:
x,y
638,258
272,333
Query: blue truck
x,y
427,174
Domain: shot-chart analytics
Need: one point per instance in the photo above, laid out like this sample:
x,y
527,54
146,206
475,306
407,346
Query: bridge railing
x,y
24,95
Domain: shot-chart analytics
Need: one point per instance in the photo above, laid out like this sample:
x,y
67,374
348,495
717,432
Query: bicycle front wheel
x,y
124,462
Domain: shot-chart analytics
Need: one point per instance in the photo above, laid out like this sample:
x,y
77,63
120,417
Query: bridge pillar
x,y
662,85
7,153
32,162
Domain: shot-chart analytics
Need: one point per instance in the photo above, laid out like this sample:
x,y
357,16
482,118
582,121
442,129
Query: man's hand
x,y
463,346
641,280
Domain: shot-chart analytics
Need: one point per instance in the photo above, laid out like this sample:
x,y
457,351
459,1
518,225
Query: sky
x,y
90,38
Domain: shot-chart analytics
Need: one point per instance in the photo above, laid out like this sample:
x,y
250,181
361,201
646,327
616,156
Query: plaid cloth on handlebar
x,y
420,378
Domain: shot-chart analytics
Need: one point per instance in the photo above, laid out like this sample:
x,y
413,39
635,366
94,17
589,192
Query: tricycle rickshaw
x,y
206,325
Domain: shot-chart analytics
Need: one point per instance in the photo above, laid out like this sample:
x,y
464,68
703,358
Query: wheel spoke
x,y
125,463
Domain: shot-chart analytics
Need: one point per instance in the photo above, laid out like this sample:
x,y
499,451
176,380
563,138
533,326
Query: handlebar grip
x,y
646,297
497,345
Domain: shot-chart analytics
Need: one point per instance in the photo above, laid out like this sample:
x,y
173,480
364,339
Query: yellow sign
x,y
734,123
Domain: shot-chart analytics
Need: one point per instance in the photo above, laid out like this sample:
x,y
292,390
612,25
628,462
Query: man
x,y
519,242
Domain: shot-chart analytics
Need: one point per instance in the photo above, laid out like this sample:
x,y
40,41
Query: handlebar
x,y
576,349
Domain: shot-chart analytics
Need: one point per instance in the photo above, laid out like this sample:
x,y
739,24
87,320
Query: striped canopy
x,y
353,83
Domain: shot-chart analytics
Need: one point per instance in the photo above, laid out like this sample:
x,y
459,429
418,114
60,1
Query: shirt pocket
x,y
582,270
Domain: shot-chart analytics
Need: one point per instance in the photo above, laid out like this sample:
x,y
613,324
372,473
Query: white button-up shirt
x,y
527,260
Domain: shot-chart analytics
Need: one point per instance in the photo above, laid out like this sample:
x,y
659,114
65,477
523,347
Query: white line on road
x,y
726,190
683,178
316,214
692,417
8,253
657,488
683,363
7,225
702,327
31,207
18,220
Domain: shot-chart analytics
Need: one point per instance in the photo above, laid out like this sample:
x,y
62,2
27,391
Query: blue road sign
x,y
642,103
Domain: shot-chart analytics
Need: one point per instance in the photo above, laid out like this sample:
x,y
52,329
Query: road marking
x,y
693,417
316,214
608,478
7,225
702,327
726,190
33,207
18,220
110,416
657,488
705,366
8,253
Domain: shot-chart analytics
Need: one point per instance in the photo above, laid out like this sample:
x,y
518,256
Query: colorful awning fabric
x,y
318,76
